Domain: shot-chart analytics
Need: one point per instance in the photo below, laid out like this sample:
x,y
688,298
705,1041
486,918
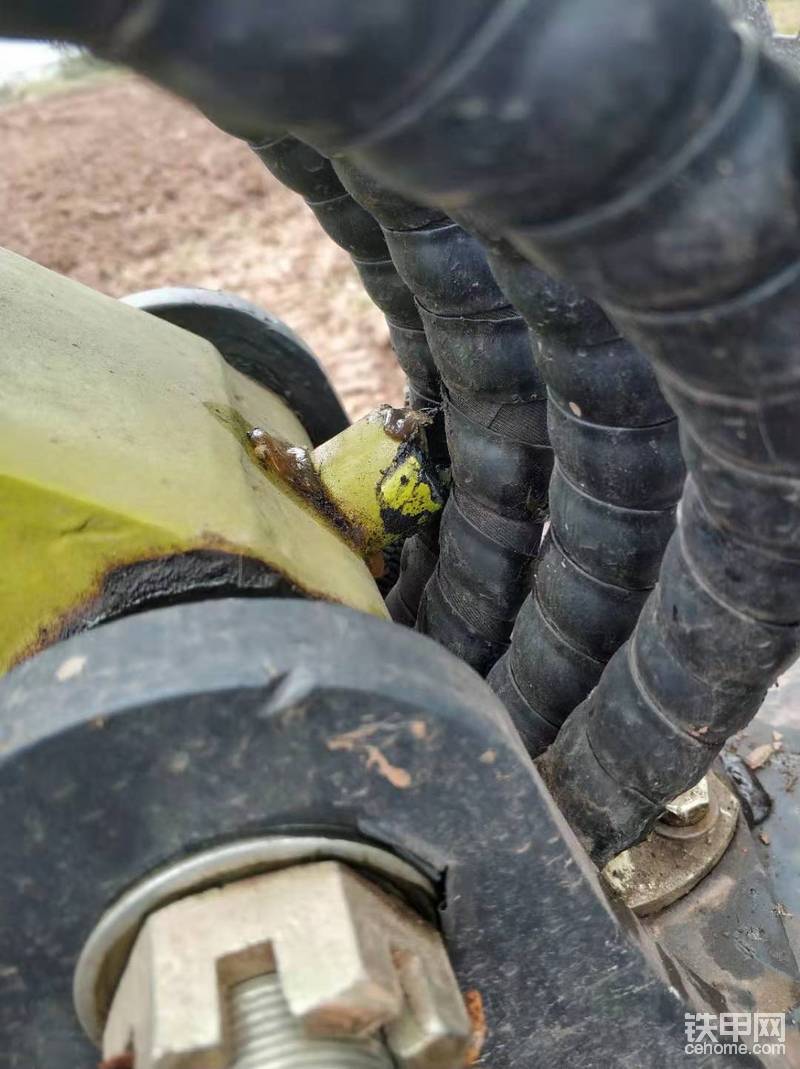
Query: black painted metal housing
x,y
221,721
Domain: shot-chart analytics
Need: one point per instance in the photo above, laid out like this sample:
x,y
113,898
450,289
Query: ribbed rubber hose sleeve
x,y
613,496
495,418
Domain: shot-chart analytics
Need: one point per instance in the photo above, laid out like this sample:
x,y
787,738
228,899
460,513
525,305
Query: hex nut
x,y
690,807
351,959
664,867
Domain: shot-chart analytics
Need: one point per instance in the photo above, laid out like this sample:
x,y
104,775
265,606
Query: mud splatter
x,y
398,777
358,741
403,423
480,1029
69,669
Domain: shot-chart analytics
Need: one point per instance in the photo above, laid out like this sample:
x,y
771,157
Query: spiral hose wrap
x,y
617,479
495,418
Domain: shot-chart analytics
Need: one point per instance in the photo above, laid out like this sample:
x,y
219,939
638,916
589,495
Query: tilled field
x,y
125,188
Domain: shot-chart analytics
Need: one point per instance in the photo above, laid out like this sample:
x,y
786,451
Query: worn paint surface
x,y
380,476
372,484
114,450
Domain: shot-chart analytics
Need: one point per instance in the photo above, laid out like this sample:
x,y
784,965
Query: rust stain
x,y
480,1029
119,1061
292,463
377,564
294,466
403,423
419,729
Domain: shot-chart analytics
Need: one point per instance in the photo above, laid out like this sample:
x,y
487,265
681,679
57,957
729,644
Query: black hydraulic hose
x,y
613,496
644,151
701,264
418,560
495,418
353,228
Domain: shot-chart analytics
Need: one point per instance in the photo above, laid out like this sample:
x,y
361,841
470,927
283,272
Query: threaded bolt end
x,y
266,1035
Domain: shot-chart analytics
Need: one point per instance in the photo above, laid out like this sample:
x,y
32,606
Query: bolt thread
x,y
266,1035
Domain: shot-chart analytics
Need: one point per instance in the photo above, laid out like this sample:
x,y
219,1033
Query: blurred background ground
x,y
786,14
125,188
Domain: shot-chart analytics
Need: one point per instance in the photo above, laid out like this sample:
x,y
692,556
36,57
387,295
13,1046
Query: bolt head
x,y
690,807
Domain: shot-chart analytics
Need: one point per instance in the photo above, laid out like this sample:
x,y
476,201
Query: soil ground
x,y
786,14
125,188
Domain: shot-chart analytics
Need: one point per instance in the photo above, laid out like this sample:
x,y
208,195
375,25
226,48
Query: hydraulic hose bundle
x,y
302,169
617,479
646,152
720,321
495,418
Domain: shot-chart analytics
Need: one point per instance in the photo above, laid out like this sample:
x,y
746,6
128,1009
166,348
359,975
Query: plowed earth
x,y
125,188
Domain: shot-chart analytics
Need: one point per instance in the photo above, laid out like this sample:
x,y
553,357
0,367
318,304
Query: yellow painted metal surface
x,y
406,489
375,472
122,439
